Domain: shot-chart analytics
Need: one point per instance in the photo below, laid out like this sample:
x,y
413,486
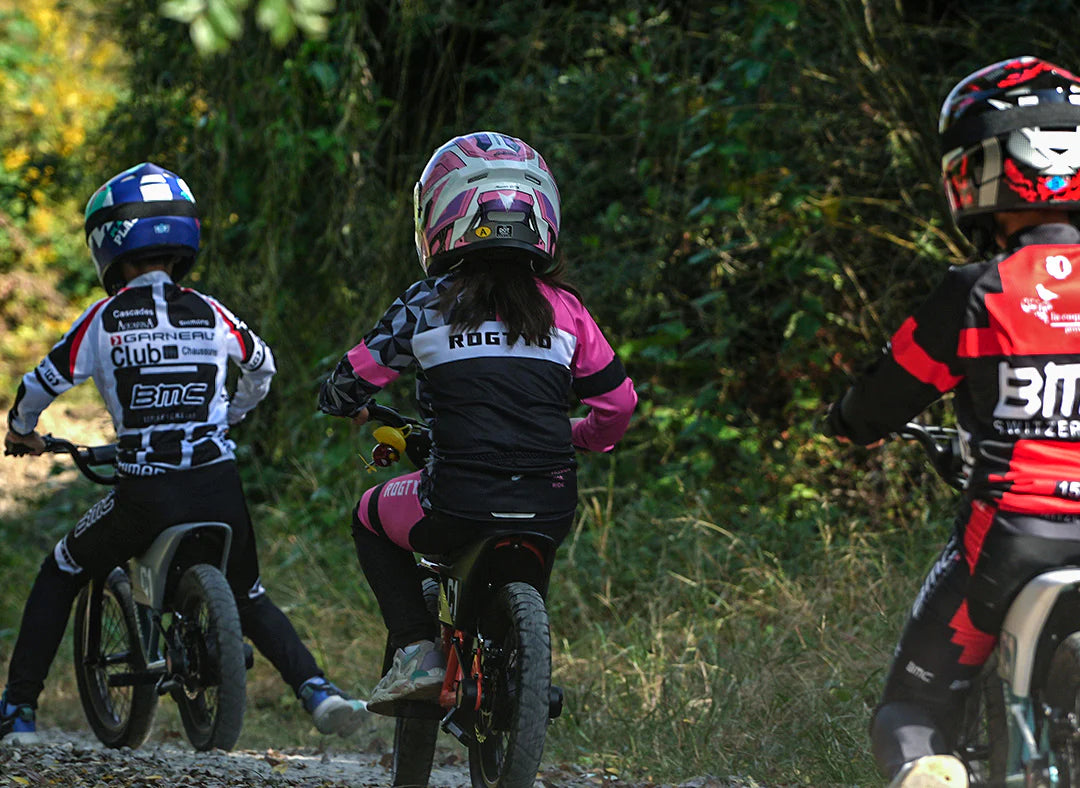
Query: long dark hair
x,y
503,285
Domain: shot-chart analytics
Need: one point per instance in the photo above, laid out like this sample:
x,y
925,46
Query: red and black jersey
x,y
1004,336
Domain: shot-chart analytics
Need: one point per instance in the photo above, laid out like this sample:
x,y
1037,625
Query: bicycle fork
x,y
1029,762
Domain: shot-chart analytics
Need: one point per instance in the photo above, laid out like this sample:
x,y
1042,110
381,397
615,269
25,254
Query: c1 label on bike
x,y
453,593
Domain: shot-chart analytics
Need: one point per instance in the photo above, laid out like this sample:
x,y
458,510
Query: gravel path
x,y
78,760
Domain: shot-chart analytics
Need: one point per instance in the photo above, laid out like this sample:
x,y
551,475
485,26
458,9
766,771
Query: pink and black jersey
x,y
503,447
158,353
1004,336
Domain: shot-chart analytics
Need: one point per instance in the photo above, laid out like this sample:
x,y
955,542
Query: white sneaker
x,y
22,739
332,710
339,715
932,771
417,674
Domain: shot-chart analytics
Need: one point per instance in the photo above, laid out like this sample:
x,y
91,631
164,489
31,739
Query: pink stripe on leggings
x,y
398,508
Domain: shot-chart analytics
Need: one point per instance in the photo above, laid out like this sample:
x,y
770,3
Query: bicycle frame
x,y
465,585
150,572
153,577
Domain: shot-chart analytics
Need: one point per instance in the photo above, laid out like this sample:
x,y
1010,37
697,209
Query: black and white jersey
x,y
158,353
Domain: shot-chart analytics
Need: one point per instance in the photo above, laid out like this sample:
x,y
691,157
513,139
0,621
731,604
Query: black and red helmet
x,y
1010,140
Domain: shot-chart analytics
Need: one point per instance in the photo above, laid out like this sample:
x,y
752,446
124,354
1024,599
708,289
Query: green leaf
x,y
206,39
185,11
225,19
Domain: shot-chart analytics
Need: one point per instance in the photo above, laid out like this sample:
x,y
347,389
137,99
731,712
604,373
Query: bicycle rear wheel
x,y
414,738
1062,695
206,626
511,724
109,659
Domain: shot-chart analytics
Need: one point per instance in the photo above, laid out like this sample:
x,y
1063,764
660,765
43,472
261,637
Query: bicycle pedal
x,y
555,702
450,725
165,686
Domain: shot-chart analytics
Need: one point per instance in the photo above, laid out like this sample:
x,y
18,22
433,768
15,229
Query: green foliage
x,y
55,87
750,207
214,24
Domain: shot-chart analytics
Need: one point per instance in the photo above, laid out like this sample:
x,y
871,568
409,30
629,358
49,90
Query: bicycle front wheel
x,y
1062,695
110,669
206,627
515,695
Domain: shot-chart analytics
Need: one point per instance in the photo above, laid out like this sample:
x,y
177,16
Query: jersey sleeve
x,y
380,357
916,367
68,364
254,358
600,382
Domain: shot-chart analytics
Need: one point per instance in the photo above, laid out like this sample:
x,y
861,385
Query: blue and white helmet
x,y
143,208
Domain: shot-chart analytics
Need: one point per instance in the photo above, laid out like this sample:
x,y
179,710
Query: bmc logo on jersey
x,y
1030,392
168,395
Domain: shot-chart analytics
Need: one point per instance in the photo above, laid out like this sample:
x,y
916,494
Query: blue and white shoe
x,y
331,709
17,723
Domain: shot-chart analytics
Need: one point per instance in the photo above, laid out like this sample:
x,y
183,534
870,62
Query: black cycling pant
x,y
395,578
954,624
124,524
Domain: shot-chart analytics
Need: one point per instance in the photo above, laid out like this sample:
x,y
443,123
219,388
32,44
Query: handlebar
x,y
942,447
399,435
84,456
390,417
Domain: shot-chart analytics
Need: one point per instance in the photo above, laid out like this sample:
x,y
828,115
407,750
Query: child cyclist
x,y
499,343
143,343
1002,335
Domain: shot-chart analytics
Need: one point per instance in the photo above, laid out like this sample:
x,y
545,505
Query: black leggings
x,y
395,579
124,524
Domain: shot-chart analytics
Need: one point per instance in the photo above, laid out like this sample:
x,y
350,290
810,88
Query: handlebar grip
x,y
102,455
15,450
387,416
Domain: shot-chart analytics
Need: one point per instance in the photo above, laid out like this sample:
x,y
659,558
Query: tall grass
x,y
720,656
687,643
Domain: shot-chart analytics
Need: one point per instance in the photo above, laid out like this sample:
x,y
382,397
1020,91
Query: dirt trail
x,y
78,760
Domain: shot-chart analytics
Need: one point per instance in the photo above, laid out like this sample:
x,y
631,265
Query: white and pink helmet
x,y
485,190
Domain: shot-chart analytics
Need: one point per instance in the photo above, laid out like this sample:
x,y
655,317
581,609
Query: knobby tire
x,y
983,743
512,723
107,644
213,696
414,738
